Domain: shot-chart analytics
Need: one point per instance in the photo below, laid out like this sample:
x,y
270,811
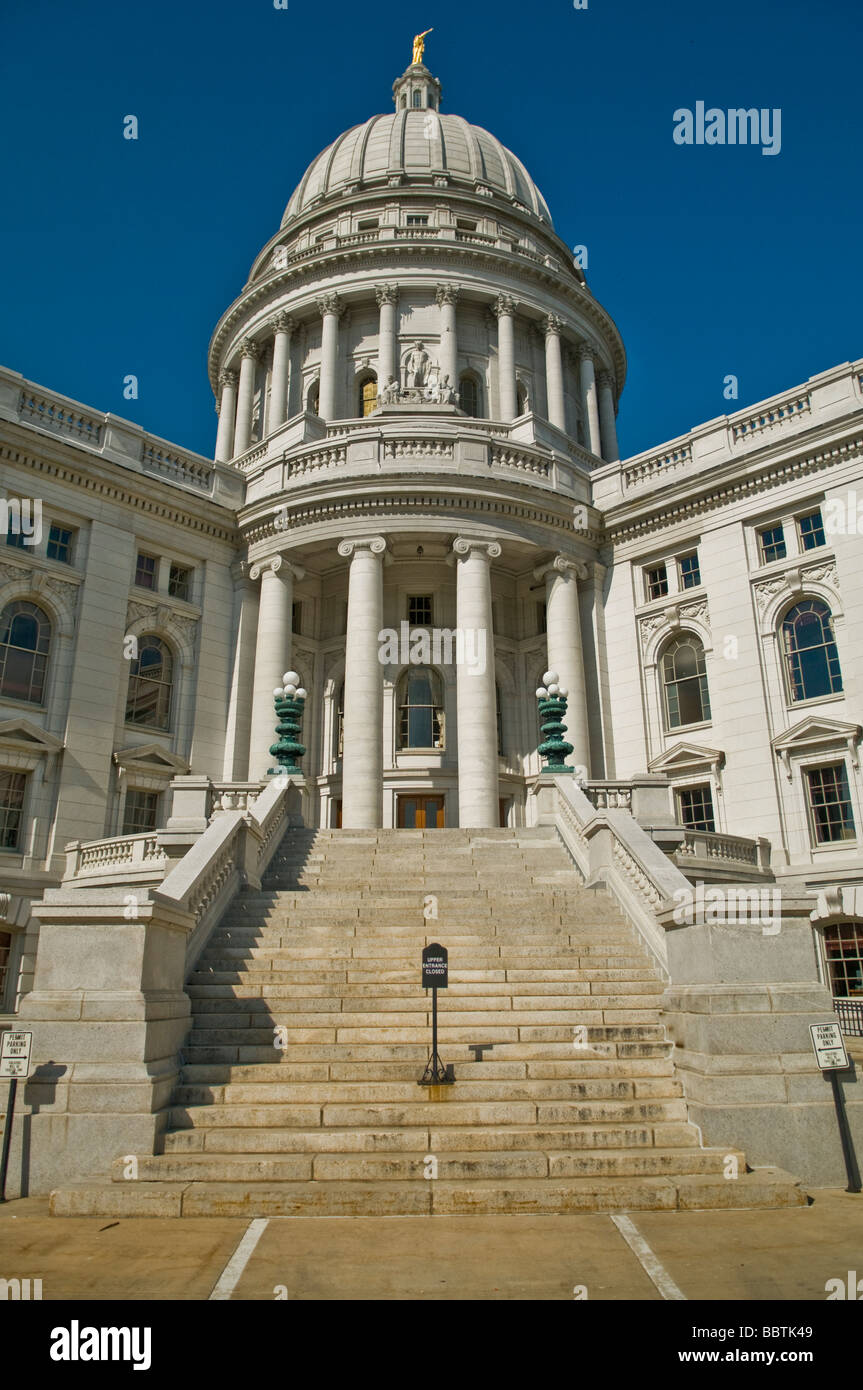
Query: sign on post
x,y
829,1046
15,1054
435,966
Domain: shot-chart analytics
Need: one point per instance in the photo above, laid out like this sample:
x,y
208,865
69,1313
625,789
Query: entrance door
x,y
420,813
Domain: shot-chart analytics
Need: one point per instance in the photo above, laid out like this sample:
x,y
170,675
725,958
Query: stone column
x,y
387,297
447,298
504,308
588,396
565,651
476,697
331,308
283,325
227,416
608,429
362,759
238,731
554,372
272,654
246,398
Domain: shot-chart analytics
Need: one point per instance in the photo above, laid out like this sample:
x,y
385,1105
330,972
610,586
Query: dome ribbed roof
x,y
415,146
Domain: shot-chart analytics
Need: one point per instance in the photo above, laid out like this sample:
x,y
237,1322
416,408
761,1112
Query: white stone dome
x,y
414,148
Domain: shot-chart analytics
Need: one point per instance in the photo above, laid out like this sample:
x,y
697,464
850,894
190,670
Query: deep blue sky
x,y
118,256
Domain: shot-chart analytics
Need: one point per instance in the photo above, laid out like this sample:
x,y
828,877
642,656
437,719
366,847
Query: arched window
x,y
499,721
313,398
421,714
809,647
684,682
367,395
469,395
521,398
404,100
25,640
151,684
340,721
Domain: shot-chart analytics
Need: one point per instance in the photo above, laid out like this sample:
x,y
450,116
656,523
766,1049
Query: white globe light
x,y
301,694
278,692
290,691
563,692
291,678
541,692
550,678
554,688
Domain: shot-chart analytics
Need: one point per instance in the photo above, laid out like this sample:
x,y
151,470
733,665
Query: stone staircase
x,y
299,1091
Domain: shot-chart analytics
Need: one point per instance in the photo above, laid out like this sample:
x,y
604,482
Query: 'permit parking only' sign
x,y
829,1046
14,1054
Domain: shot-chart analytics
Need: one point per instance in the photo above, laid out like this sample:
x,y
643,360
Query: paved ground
x,y
734,1255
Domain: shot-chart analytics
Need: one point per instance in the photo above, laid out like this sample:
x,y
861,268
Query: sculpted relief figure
x,y
389,392
446,393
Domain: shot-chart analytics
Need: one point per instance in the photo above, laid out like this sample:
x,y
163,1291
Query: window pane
x,y
25,637
12,785
811,530
830,803
811,656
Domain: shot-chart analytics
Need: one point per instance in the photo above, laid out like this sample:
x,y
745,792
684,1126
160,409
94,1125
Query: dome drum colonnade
x,y
238,386
580,358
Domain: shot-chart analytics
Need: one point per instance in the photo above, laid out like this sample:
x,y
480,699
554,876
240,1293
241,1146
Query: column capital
x,y
227,377
274,564
504,304
447,294
562,564
331,304
348,548
465,545
605,378
283,323
552,323
387,294
585,351
249,348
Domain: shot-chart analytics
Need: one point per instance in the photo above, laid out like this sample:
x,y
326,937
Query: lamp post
x,y
290,701
552,707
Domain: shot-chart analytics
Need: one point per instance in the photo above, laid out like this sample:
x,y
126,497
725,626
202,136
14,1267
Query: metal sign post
x,y
831,1056
15,1050
435,974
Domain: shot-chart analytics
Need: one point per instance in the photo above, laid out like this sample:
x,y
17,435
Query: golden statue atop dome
x,y
419,45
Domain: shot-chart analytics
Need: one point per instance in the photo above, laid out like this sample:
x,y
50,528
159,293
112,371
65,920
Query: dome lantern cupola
x,y
416,90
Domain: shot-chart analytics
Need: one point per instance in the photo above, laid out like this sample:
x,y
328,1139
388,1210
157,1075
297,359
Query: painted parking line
x,y
652,1267
231,1274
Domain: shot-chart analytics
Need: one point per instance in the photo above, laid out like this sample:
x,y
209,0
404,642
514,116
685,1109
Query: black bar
x,y
7,1136
845,1135
434,1025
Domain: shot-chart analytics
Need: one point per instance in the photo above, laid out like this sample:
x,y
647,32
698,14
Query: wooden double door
x,y
420,812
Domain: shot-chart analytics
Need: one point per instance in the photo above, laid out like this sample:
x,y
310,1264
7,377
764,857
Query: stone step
x,y
386,996
369,1114
598,1068
287,1091
766,1187
425,1139
614,1043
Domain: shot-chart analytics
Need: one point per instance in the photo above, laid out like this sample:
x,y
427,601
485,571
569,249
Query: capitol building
x,y
416,510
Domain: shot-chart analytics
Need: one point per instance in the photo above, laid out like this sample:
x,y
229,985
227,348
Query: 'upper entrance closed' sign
x,y
435,966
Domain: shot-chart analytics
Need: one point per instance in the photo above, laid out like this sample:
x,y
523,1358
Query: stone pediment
x,y
816,732
685,758
23,744
151,758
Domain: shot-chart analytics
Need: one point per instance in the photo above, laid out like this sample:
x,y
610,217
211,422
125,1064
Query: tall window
x,y
25,640
469,395
420,610
689,571
368,396
340,721
12,787
830,804
5,953
499,713
656,581
695,808
150,685
811,530
771,544
141,812
843,947
809,648
684,682
421,716
180,582
145,571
